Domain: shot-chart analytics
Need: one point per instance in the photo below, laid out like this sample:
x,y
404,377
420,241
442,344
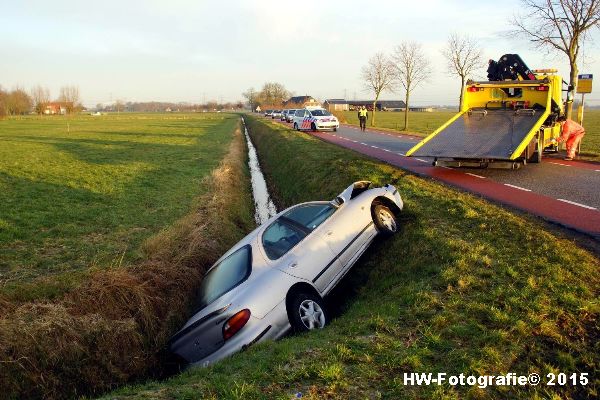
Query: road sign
x,y
584,83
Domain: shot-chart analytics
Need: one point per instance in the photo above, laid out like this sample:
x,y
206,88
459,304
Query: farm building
x,y
345,105
301,102
58,108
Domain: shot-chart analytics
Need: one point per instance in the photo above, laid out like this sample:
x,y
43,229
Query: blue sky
x,y
199,50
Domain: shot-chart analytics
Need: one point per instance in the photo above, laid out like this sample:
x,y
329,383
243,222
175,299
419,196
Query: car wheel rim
x,y
312,315
387,220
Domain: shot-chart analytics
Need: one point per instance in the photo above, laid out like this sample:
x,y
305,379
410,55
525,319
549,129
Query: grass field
x,y
465,287
423,123
86,191
170,178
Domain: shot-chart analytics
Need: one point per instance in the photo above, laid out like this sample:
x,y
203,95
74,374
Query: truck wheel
x,y
537,156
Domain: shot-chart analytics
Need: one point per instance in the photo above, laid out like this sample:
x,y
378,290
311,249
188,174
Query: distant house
x,y
345,105
301,102
336,105
58,108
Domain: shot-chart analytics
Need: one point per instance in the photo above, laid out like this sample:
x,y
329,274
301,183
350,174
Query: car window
x,y
280,237
320,113
299,113
226,275
310,215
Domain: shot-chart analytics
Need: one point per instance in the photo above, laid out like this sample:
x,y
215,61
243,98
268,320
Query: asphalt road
x,y
563,192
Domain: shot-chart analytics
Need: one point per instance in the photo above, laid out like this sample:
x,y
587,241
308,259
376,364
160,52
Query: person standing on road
x,y
362,117
571,133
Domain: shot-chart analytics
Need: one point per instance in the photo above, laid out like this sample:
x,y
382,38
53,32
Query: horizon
x,y
199,52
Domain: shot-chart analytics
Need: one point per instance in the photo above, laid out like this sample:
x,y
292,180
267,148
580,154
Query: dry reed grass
x,y
110,329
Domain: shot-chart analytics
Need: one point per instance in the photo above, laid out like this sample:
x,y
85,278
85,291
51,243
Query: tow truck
x,y
504,122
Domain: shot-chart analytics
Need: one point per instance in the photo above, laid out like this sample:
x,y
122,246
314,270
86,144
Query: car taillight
x,y
474,89
235,323
542,88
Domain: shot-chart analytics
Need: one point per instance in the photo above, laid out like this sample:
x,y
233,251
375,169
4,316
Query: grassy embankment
x,y
109,229
466,287
423,123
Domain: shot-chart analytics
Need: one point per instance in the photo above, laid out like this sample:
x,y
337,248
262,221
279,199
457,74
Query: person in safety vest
x,y
571,133
362,118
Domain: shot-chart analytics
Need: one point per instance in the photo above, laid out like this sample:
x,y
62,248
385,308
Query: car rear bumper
x,y
274,325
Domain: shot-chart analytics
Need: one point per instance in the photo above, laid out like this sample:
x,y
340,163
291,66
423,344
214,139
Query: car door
x,y
296,251
348,230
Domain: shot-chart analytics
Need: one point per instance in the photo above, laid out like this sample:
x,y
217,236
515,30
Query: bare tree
x,y
41,97
378,76
3,101
561,25
463,56
252,96
69,95
18,102
273,94
412,68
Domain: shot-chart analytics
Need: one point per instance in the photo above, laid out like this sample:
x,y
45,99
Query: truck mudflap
x,y
483,134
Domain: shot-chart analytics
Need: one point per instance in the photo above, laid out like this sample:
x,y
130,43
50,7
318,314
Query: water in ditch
x,y
263,205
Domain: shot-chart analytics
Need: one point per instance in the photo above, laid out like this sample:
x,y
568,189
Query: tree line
x,y
555,25
272,95
162,106
20,102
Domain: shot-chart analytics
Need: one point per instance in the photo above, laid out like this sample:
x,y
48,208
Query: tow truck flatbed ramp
x,y
482,134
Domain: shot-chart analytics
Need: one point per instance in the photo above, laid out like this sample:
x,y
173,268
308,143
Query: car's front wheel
x,y
313,127
296,126
385,219
307,312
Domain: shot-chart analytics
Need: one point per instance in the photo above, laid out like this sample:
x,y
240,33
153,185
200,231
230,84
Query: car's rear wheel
x,y
385,219
307,312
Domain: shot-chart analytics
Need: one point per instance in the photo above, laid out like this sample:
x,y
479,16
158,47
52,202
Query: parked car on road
x,y
290,115
275,278
284,113
276,114
315,119
268,113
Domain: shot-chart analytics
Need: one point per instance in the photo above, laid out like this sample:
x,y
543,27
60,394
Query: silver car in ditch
x,y
275,278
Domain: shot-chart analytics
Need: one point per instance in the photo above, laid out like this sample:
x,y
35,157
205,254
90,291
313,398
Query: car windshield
x,y
226,275
320,113
310,216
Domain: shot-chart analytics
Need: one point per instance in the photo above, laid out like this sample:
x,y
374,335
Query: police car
x,y
315,119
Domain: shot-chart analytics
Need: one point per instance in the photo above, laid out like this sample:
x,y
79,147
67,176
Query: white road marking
x,y
375,147
389,151
402,154
597,170
577,204
355,141
475,175
364,144
517,187
557,163
420,159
